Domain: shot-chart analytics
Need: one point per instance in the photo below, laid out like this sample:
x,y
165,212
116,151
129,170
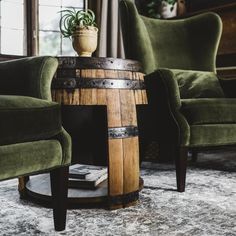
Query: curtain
x,y
110,43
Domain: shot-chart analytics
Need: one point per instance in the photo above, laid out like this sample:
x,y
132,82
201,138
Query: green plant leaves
x,y
72,19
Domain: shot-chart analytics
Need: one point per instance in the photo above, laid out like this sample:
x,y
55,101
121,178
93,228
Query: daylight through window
x,y
51,41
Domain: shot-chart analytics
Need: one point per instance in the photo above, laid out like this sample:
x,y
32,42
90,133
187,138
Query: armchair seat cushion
x,y
209,110
29,158
25,119
211,135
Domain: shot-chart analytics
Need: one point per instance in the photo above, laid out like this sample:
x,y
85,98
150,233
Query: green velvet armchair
x,y
32,139
190,107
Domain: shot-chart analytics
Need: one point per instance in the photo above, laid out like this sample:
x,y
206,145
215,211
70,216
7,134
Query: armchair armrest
x,y
165,103
229,87
161,84
29,76
65,139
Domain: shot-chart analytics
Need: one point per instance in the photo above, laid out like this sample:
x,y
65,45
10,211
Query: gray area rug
x,y
208,207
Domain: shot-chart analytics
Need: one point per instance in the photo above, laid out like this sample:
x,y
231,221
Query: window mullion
x,y
31,14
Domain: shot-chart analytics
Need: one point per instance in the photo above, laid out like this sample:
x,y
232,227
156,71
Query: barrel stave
x,y
121,104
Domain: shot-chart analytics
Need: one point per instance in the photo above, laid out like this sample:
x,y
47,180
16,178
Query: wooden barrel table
x,y
117,84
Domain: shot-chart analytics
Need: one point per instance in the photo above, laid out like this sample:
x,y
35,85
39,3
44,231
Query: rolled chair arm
x,y
161,85
229,87
165,103
29,76
65,139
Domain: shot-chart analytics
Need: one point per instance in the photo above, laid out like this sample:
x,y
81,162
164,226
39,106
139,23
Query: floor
x,y
208,207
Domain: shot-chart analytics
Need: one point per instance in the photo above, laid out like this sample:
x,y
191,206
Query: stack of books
x,y
86,176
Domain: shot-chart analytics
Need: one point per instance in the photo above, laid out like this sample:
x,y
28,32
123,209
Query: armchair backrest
x,y
29,76
188,44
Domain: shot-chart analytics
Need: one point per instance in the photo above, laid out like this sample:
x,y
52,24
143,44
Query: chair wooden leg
x,y
59,187
181,166
22,186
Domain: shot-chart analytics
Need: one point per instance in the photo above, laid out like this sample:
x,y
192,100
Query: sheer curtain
x,y
110,43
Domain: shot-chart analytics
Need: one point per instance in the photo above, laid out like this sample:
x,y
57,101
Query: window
x,y
12,30
51,41
14,24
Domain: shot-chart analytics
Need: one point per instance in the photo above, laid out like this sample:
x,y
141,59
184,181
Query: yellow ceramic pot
x,y
84,40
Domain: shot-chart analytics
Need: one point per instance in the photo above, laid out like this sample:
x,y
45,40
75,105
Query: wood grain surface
x,y
121,104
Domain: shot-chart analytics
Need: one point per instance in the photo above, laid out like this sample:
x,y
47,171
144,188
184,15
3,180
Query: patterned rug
x,y
208,207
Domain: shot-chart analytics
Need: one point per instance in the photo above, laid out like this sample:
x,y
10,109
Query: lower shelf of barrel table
x,y
38,189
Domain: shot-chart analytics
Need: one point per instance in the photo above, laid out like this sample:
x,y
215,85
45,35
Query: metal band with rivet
x,y
99,63
122,132
103,83
124,199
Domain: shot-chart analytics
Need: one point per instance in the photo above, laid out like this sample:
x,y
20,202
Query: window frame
x,y
31,23
31,16
30,27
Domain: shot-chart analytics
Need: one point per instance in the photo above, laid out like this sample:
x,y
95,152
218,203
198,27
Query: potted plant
x,y
162,8
80,26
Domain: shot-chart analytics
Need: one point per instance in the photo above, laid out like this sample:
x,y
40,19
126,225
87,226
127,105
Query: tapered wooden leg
x,y
181,166
59,187
22,186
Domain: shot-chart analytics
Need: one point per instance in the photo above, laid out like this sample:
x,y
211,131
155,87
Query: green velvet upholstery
x,y
169,124
65,140
197,84
25,119
186,118
212,135
189,94
28,77
29,157
189,107
187,44
32,139
209,110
